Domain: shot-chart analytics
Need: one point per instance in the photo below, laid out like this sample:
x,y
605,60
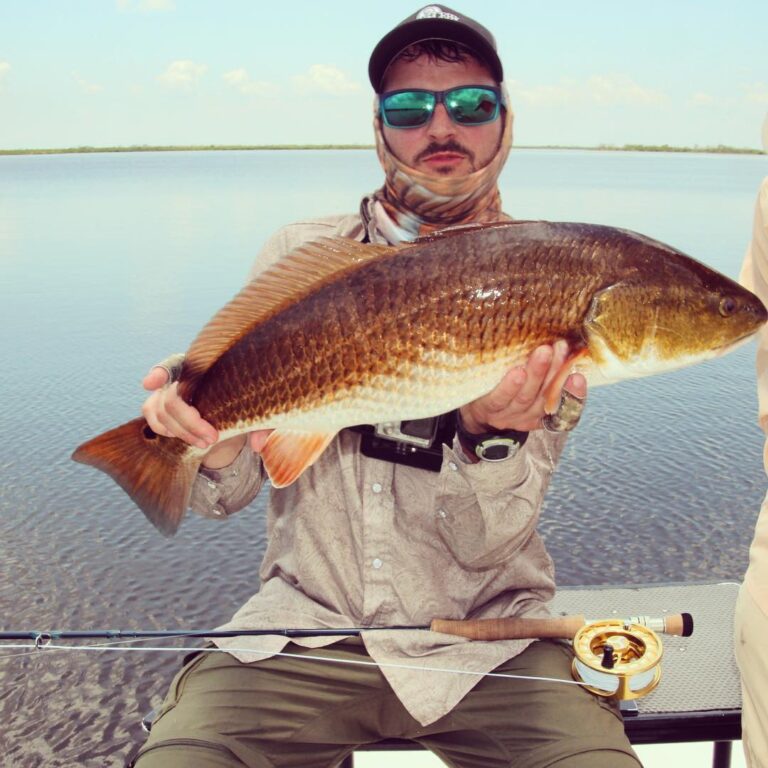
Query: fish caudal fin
x,y
287,453
156,472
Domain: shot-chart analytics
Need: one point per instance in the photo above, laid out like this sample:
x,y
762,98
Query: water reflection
x,y
110,262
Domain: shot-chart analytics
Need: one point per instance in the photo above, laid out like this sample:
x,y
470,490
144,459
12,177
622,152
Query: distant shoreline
x,y
719,150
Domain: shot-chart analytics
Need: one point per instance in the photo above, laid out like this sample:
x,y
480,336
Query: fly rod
x,y
475,629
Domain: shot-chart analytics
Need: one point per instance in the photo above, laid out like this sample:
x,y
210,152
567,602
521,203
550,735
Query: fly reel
x,y
617,659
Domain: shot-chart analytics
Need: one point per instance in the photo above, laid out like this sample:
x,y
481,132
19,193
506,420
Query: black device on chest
x,y
415,442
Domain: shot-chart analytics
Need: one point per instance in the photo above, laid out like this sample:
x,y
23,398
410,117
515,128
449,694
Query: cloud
x,y
613,89
325,78
568,92
146,6
85,86
757,92
182,74
702,99
598,89
241,80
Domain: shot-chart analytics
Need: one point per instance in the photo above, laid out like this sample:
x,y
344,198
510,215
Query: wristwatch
x,y
498,445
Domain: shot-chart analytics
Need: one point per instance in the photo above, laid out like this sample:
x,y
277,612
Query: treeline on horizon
x,y
719,149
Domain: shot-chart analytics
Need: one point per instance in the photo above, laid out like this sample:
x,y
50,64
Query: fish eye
x,y
727,306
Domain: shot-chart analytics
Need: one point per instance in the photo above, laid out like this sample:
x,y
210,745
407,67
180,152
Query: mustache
x,y
448,146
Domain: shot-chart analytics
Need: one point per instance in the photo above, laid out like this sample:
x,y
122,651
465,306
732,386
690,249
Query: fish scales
x,y
377,334
373,323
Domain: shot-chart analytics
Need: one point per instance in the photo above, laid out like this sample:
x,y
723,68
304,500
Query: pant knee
x,y
181,753
602,758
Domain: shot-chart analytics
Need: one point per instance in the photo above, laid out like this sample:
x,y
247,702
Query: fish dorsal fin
x,y
301,272
461,229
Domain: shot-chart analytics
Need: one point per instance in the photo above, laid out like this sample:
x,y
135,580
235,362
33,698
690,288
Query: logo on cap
x,y
435,12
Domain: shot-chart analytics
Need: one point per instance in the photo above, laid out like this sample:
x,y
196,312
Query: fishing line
x,y
41,644
388,665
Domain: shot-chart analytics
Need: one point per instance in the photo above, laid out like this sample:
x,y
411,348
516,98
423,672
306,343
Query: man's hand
x,y
168,415
517,402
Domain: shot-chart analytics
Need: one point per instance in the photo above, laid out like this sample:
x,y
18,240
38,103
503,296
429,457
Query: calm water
x,y
109,262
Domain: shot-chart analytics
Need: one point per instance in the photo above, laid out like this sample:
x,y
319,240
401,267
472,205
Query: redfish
x,y
340,333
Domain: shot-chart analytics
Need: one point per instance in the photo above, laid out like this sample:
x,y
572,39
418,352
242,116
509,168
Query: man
x,y
752,605
367,541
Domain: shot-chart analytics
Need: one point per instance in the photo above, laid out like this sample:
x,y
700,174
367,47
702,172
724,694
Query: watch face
x,y
497,449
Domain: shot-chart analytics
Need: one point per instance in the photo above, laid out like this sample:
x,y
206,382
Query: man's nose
x,y
441,125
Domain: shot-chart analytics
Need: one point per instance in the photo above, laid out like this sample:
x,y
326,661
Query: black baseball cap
x,y
434,22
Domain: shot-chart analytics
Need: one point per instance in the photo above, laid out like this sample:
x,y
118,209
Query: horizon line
x,y
87,149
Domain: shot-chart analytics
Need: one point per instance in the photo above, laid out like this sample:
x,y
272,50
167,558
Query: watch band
x,y
497,445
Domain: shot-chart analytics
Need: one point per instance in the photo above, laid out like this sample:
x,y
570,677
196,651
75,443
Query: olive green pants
x,y
298,713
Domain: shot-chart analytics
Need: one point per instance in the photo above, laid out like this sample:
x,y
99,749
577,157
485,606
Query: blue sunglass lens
x,y
407,109
472,106
465,105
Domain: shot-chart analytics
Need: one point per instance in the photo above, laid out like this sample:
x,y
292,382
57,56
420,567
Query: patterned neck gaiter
x,y
411,203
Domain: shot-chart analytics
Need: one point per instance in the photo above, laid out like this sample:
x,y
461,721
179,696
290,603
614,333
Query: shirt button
x,y
452,465
235,473
377,563
218,511
441,513
377,488
211,484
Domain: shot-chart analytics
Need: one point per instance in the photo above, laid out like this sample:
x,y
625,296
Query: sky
x,y
191,72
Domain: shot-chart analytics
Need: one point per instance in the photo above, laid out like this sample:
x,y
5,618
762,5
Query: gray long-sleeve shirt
x,y
361,541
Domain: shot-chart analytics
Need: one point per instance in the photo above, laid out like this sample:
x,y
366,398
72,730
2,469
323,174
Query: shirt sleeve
x,y
218,493
488,511
754,276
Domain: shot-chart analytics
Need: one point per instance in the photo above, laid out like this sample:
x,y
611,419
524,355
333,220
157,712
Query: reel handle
x,y
673,624
518,628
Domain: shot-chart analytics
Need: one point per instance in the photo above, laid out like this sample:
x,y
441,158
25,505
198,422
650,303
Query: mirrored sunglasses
x,y
466,105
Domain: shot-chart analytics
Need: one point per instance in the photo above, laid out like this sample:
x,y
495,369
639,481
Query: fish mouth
x,y
731,345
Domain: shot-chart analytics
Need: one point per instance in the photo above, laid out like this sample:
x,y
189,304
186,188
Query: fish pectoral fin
x,y
552,392
288,452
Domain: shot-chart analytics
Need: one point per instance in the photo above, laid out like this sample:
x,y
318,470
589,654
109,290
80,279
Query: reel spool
x,y
617,659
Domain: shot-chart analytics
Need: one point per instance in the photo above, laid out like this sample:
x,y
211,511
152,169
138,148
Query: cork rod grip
x,y
511,628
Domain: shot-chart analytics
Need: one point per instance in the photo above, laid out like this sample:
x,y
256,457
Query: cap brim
x,y
429,29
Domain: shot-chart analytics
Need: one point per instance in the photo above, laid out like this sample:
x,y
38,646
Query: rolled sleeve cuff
x,y
217,493
490,475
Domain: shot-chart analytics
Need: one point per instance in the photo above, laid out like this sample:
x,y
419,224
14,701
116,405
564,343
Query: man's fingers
x,y
149,412
167,414
259,438
186,423
521,386
537,368
573,398
194,434
157,378
507,390
576,384
559,356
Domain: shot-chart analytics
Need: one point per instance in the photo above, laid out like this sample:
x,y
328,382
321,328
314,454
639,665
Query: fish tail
x,y
156,472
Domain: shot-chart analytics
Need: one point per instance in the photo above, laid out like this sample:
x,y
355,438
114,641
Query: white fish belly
x,y
419,391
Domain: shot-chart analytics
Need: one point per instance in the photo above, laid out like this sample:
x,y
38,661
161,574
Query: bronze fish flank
x,y
339,333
